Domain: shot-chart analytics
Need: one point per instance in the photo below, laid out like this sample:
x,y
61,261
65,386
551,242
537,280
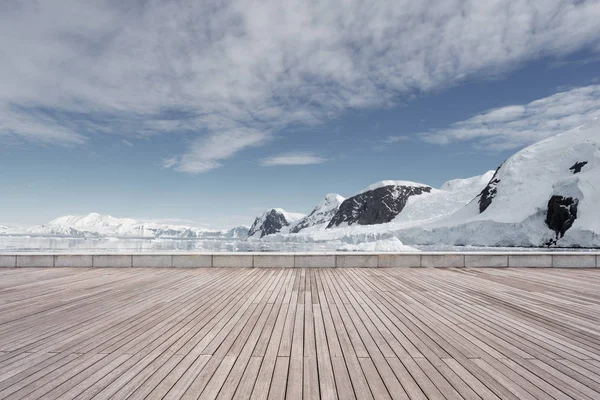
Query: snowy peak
x,y
94,222
274,220
475,182
378,204
321,214
331,202
381,184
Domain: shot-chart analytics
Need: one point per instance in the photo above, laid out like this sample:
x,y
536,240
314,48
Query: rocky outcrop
x,y
562,212
576,168
489,192
376,206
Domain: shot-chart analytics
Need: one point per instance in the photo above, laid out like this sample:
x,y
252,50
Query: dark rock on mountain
x,y
562,212
576,168
489,192
376,206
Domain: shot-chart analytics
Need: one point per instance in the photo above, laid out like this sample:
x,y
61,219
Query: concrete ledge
x,y
238,261
273,261
192,261
8,261
155,261
494,261
574,261
314,261
442,260
530,260
112,261
356,261
399,260
73,261
525,259
35,261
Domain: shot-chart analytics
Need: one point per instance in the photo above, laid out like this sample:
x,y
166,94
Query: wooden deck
x,y
299,333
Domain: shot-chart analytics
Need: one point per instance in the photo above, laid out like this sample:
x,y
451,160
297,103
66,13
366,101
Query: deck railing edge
x,y
523,259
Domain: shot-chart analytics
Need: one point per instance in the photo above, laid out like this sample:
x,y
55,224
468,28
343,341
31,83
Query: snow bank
x,y
385,245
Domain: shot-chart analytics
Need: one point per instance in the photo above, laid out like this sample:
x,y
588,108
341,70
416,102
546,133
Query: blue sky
x,y
208,113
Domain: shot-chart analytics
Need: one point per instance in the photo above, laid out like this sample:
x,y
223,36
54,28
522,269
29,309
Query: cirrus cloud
x,y
292,158
234,73
518,125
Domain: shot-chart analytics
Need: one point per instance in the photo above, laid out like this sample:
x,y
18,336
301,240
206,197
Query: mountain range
x,y
379,206
547,194
97,225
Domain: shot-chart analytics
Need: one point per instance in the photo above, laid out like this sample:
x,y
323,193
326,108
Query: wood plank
x,y
275,333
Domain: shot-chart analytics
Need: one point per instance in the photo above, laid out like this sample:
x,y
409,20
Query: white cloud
x,y
72,69
515,126
169,162
207,152
386,143
294,158
37,127
396,139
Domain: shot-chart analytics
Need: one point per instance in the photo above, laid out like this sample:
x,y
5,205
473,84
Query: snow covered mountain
x,y
546,194
418,210
377,204
97,225
274,220
320,216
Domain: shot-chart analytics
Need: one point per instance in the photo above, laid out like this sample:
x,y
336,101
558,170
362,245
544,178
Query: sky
x,y
209,112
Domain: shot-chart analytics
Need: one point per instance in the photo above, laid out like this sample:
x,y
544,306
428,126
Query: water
x,y
18,244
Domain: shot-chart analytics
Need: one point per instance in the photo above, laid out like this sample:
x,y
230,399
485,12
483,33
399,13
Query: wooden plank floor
x,y
299,333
